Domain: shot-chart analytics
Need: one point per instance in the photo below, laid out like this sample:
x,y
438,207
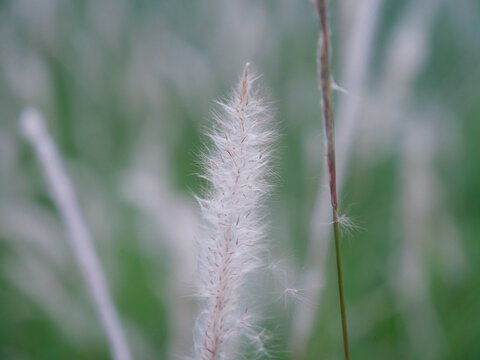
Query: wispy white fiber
x,y
34,130
233,239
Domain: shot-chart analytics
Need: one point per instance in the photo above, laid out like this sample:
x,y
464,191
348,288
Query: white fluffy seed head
x,y
234,227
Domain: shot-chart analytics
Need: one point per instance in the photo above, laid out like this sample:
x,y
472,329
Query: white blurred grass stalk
x,y
34,130
420,215
175,221
236,168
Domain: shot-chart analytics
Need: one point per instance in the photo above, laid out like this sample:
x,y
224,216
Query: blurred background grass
x,y
127,87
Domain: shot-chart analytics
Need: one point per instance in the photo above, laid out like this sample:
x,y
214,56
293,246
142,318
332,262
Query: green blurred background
x,y
128,87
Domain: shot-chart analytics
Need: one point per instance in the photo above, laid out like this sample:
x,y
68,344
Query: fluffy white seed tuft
x,y
232,243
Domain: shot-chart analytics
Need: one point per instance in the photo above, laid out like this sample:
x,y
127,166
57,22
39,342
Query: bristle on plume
x,y
233,238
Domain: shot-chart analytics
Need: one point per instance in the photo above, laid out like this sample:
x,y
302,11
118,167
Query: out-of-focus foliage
x,y
127,87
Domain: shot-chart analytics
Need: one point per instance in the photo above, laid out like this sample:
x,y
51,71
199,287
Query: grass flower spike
x,y
234,228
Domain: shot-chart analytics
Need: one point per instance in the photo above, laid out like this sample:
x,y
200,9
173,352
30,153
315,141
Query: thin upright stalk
x,y
325,86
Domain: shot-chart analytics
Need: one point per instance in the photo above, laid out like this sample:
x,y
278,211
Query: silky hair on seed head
x,y
232,242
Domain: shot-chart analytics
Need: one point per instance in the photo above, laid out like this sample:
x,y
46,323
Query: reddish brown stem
x,y
325,86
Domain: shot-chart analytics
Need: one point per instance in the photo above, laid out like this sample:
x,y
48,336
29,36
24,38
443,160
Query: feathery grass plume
x,y
234,227
324,82
34,130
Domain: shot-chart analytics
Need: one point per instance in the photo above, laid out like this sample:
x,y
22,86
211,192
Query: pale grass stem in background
x,y
406,55
234,227
324,83
61,190
420,216
175,222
